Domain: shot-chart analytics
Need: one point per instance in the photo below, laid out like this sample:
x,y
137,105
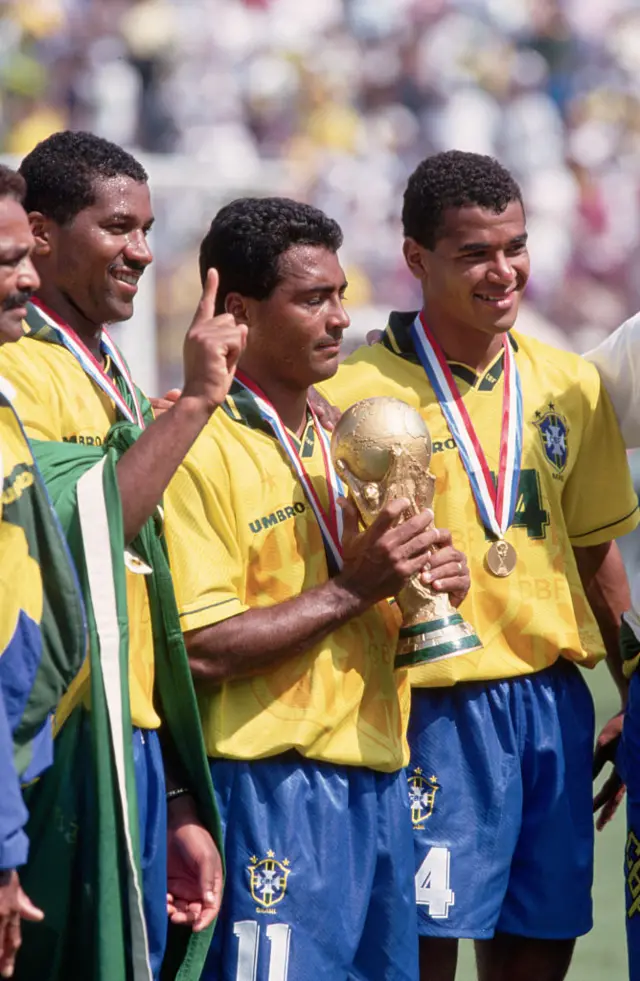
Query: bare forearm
x,y
605,583
261,639
145,470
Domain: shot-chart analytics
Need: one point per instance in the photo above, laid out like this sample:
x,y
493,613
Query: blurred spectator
x,y
340,99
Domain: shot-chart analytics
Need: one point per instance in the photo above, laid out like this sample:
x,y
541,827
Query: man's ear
x,y
415,256
237,306
41,231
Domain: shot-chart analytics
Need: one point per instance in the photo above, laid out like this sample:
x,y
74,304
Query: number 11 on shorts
x,y
248,934
432,883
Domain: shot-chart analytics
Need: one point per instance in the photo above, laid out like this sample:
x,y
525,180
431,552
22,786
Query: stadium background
x,y
334,102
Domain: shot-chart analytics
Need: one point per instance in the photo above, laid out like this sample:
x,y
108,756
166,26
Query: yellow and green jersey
x,y
575,490
42,626
242,536
57,400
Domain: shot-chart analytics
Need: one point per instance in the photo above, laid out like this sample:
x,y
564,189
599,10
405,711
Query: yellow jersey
x,y
575,490
20,578
242,535
57,400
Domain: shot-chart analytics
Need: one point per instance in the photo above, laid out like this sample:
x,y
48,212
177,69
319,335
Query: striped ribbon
x,y
330,524
496,504
92,367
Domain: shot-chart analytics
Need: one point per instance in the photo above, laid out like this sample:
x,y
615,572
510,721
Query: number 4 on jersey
x,y
432,883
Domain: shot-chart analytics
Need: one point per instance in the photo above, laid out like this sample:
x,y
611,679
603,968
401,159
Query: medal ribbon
x,y
91,365
496,505
330,524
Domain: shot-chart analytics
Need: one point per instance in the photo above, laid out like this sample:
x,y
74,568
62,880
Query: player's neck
x,y
88,332
289,402
474,348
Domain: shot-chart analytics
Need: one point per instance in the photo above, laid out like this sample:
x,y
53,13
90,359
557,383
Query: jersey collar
x,y
240,406
397,339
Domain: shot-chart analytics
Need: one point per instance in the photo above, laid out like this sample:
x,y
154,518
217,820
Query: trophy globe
x,y
381,448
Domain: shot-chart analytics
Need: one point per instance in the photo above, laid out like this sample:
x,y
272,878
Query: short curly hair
x,y
12,185
61,172
247,237
452,180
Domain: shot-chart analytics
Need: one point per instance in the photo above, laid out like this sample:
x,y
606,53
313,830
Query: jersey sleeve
x,y
599,501
14,845
204,552
35,400
618,361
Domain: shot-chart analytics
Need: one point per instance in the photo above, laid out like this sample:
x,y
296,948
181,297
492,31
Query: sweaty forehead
x,y
472,223
122,194
306,265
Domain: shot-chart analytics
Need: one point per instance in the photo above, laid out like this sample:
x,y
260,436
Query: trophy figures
x,y
381,448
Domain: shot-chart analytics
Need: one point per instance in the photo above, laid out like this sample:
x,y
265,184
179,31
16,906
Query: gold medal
x,y
501,558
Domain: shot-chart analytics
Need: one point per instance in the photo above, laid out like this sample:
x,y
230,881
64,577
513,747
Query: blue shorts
x,y
629,766
319,873
501,806
152,817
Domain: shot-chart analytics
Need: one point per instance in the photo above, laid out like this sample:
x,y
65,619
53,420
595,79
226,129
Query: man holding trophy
x,y
291,640
531,478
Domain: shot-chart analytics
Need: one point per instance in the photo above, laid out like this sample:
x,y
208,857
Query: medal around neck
x,y
381,448
501,558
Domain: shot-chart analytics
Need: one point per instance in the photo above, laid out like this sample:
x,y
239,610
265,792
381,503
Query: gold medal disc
x,y
501,558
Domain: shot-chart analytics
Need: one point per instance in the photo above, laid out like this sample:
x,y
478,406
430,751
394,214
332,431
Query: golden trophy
x,y
381,448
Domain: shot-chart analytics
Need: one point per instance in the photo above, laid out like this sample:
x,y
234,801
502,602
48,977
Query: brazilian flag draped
x,y
84,866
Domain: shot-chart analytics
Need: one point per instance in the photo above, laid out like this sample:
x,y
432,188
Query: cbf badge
x,y
422,797
268,881
553,431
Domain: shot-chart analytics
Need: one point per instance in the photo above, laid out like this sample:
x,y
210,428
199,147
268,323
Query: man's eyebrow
x,y
481,246
121,214
321,287
12,254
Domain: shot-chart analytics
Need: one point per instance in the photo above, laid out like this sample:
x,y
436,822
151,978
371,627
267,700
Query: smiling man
x,y
532,481
90,213
290,638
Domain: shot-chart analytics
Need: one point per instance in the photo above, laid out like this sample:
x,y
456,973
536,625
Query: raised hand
x,y
212,348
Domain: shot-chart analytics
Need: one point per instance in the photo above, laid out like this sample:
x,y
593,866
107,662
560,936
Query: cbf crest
x,y
422,797
553,430
268,881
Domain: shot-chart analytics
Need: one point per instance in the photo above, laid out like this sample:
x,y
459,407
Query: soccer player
x,y
290,638
532,481
90,212
616,358
42,627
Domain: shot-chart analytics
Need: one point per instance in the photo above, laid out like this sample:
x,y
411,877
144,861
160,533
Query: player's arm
x,y
212,348
14,904
377,563
605,583
617,359
194,866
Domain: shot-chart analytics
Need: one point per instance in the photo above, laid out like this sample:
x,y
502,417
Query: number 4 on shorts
x,y
432,883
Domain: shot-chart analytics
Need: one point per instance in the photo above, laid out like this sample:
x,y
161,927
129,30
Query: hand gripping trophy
x,y
381,448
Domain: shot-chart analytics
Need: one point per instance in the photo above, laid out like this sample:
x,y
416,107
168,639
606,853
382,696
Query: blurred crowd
x,y
339,99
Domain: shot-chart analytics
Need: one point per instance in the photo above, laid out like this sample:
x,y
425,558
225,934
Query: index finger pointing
x,y
209,294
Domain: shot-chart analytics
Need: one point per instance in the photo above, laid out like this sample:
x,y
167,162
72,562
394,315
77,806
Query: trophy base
x,y
434,639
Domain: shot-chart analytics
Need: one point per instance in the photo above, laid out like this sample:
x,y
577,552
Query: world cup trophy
x,y
381,448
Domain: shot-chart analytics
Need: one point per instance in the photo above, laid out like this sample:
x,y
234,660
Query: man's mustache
x,y
15,300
